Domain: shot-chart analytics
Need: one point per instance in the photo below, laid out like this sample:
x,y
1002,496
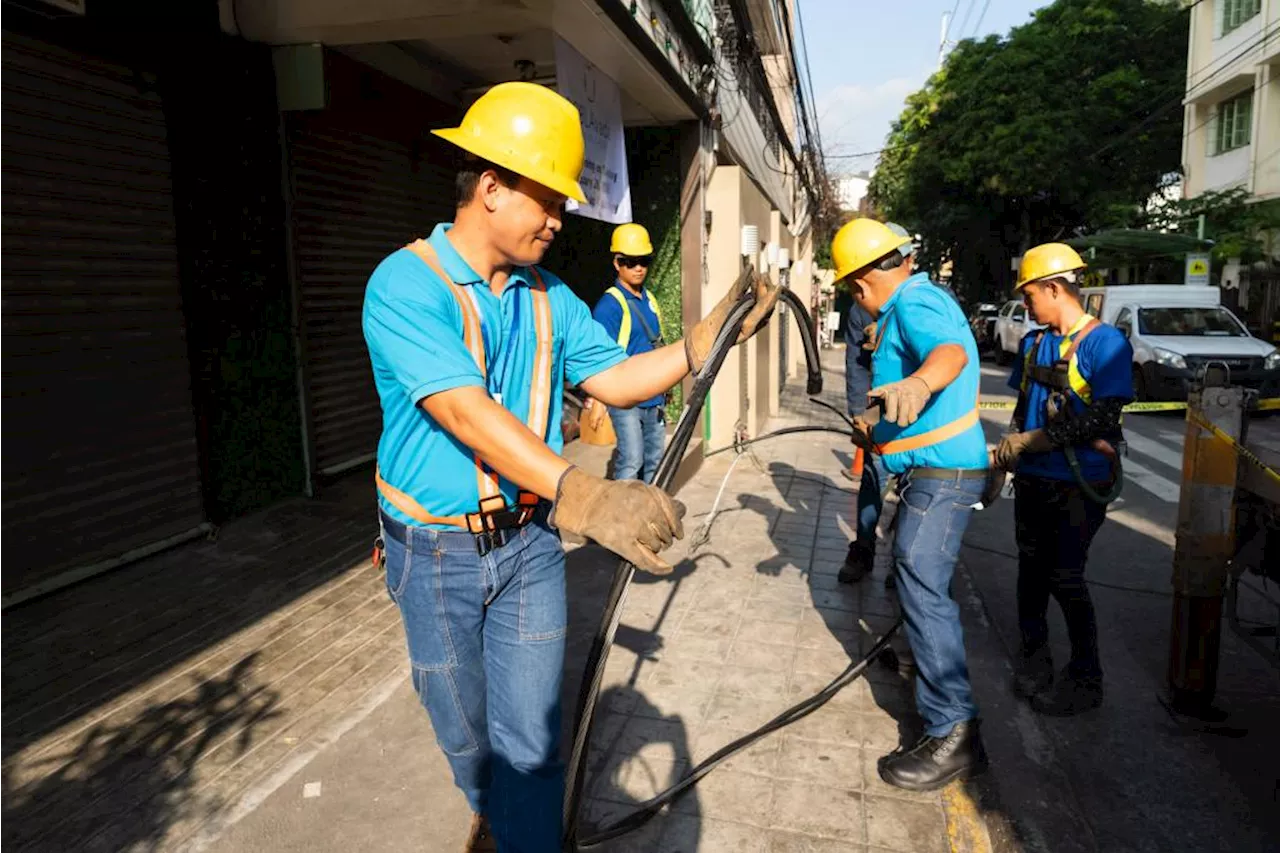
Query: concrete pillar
x,y
724,201
779,236
693,230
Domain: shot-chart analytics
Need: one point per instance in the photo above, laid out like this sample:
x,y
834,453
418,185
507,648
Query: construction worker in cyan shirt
x,y
1073,380
471,343
630,315
925,376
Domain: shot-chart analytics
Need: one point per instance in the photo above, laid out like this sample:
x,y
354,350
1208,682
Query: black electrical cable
x,y
824,404
780,432
647,810
596,659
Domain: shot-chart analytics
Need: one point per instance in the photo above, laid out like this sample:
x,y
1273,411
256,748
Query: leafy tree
x,y
1037,135
1239,229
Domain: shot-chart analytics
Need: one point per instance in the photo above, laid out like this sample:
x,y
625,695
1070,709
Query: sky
x,y
865,58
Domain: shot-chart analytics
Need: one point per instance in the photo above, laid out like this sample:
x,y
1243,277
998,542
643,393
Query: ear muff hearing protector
x,y
891,261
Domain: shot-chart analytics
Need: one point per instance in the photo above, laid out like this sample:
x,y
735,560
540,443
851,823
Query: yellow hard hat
x,y
862,242
1046,261
631,240
528,129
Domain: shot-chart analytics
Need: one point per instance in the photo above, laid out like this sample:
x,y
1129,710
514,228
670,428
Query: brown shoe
x,y
480,839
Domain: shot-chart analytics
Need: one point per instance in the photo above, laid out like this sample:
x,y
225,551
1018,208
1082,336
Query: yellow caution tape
x,y
1244,452
1261,405
1155,407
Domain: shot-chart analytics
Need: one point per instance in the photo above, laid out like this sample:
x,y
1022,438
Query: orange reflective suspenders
x,y
493,507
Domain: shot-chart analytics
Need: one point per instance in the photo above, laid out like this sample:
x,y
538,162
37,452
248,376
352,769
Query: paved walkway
x,y
250,693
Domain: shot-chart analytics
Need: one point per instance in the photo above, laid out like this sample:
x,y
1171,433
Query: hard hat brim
x,y
457,136
1047,276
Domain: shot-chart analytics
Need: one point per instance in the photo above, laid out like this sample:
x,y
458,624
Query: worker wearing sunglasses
x,y
630,315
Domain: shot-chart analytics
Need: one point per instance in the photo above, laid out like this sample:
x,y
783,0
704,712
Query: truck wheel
x,y
1140,392
1002,357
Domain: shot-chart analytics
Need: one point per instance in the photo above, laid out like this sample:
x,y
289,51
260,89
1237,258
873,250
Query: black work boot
x,y
1033,673
1070,695
935,761
857,563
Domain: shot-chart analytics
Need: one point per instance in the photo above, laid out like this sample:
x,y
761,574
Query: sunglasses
x,y
644,261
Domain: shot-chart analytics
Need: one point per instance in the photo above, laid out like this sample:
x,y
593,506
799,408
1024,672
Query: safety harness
x,y
1061,377
493,515
624,330
937,435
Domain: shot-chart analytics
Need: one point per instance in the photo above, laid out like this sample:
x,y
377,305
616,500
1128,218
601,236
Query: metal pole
x,y
1205,543
942,39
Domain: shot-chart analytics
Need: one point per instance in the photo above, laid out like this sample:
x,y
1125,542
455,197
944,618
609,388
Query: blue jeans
x,y
870,500
486,639
933,515
641,436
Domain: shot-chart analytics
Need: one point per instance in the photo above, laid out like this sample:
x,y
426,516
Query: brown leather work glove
x,y
869,336
904,399
697,344
1015,444
632,519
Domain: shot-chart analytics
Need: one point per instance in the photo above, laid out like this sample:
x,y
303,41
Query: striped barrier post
x,y
1204,545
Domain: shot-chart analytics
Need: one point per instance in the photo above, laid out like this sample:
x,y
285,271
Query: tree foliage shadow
x,y
123,784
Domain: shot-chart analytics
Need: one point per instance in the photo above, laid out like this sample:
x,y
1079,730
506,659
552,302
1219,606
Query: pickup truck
x,y
1176,331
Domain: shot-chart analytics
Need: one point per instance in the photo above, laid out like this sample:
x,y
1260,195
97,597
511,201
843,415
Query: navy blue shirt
x,y
857,361
631,336
1105,361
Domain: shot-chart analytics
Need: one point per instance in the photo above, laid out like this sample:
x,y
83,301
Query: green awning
x,y
1123,246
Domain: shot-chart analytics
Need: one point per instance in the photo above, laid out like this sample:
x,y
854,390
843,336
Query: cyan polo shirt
x,y
413,328
917,319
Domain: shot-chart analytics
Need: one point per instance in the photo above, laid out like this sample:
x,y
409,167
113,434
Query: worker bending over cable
x,y
925,370
1073,379
471,343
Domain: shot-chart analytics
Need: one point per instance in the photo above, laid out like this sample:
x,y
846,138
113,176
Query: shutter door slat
x,y
100,437
357,198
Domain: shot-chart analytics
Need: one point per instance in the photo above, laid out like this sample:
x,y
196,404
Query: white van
x,y
1176,330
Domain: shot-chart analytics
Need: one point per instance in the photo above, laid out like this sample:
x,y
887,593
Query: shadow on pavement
x,y
858,615
1128,776
143,767
636,748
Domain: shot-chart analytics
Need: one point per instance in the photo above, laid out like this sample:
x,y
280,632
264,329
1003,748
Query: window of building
x,y
1233,125
1236,12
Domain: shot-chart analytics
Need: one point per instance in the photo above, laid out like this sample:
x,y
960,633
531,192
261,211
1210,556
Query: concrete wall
x,y
756,211
741,392
801,281
723,262
1266,146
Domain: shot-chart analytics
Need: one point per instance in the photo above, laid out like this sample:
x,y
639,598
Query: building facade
x,y
196,194
1231,132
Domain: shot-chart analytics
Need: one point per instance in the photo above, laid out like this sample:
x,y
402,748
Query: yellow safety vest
x,y
624,331
1067,350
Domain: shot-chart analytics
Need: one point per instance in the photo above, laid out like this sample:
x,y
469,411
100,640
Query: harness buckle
x,y
494,521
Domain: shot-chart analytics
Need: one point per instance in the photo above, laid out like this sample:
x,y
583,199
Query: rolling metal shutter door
x,y
100,454
356,199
